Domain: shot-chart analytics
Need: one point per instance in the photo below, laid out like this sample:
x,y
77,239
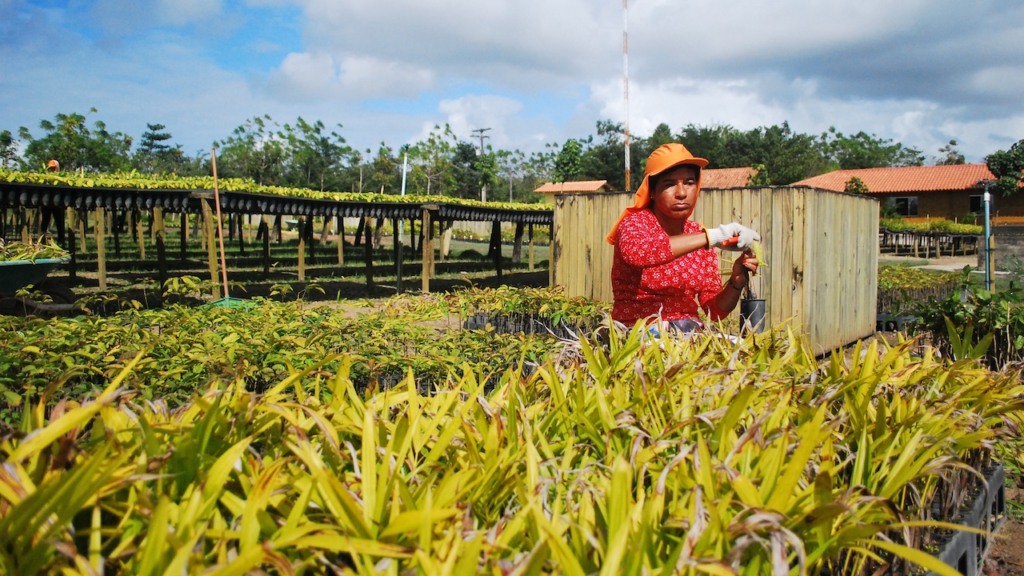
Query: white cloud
x,y
306,76
534,71
503,43
368,77
496,114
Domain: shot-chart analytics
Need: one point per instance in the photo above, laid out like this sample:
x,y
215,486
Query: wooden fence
x,y
821,249
581,259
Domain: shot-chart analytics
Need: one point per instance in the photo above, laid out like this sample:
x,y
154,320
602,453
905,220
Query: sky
x,y
529,72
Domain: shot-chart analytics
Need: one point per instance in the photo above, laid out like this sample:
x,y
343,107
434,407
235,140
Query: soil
x,y
1006,554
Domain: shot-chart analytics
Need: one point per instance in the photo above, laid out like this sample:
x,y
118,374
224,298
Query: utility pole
x,y
625,80
480,133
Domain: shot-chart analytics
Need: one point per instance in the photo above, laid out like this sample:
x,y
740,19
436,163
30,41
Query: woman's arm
x,y
739,278
686,243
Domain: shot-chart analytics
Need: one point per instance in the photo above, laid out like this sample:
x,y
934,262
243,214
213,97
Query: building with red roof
x,y
727,177
954,192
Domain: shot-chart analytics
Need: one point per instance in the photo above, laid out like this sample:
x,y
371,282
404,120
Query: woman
x,y
664,266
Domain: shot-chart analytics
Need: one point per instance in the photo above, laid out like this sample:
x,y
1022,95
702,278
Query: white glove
x,y
732,236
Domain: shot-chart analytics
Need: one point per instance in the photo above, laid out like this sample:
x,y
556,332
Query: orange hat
x,y
53,166
664,157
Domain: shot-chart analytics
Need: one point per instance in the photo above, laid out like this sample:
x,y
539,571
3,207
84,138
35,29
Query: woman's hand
x,y
746,264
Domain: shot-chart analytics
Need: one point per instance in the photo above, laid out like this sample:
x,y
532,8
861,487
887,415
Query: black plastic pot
x,y
752,315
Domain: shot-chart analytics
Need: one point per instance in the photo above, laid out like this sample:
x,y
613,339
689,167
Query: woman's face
x,y
675,193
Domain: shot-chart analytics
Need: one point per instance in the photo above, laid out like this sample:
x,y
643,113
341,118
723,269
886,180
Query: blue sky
x,y
533,71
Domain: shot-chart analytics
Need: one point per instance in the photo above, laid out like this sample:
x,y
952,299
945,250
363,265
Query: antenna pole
x,y
625,73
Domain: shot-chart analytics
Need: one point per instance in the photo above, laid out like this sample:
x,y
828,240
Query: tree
x,y
760,177
516,180
254,150
155,155
432,171
384,170
856,186
313,157
866,151
569,162
8,149
72,143
950,156
662,135
710,142
605,158
1008,168
473,171
786,156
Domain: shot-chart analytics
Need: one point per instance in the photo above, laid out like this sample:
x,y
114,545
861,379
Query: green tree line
x,y
310,154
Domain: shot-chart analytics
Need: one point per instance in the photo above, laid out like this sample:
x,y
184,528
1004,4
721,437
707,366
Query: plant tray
x,y
966,551
886,322
16,274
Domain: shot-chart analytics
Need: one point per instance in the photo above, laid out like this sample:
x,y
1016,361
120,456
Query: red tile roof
x,y
726,177
574,187
905,179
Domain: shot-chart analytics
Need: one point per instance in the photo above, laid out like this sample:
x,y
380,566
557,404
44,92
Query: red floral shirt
x,y
647,280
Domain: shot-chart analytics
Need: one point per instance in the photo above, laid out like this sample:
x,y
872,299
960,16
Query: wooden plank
x,y
140,237
159,240
341,241
302,249
99,227
83,223
531,249
428,252
209,231
396,243
368,249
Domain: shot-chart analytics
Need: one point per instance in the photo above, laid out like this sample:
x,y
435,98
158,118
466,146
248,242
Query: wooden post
x,y
396,246
341,241
159,236
25,236
446,238
209,230
517,244
496,246
183,236
83,224
325,230
302,250
368,250
115,223
240,222
428,250
264,231
73,263
101,247
139,236
307,231
531,248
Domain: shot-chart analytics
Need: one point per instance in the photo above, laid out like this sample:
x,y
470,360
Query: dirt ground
x,y
1006,554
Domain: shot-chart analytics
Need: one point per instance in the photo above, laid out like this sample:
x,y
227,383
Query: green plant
x,y
964,347
282,437
991,321
31,251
